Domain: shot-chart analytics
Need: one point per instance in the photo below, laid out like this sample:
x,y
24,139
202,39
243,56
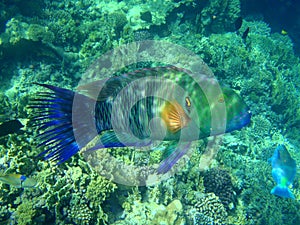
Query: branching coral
x,y
25,213
80,212
153,213
73,189
218,17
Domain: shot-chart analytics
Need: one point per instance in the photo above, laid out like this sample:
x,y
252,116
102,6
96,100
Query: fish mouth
x,y
246,119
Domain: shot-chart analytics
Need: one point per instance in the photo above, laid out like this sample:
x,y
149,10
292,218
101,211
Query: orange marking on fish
x,y
174,116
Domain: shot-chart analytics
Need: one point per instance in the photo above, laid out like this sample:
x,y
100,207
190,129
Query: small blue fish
x,y
283,172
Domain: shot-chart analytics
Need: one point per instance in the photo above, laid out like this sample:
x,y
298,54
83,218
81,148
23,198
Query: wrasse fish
x,y
238,23
284,32
135,109
283,171
18,180
245,34
10,127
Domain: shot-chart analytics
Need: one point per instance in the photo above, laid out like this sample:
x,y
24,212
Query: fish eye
x,y
188,102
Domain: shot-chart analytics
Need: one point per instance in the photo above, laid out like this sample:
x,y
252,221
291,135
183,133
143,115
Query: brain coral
x,y
209,210
219,182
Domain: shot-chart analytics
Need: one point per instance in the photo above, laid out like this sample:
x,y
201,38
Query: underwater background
x,y
249,48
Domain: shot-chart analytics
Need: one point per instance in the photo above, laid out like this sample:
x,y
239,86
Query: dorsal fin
x,y
110,87
100,90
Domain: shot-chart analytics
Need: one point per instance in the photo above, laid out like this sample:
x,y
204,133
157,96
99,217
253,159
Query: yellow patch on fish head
x,y
174,116
14,176
188,103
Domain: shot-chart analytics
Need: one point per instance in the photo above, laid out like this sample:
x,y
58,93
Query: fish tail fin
x,y
282,191
54,115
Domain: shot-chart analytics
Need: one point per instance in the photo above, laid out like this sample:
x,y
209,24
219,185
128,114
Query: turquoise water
x,y
224,180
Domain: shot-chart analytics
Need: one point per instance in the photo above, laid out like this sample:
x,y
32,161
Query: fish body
x,y
283,172
18,180
284,32
245,34
10,127
135,109
238,23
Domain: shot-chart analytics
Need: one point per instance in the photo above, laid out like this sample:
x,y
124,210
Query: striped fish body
x,y
162,103
165,100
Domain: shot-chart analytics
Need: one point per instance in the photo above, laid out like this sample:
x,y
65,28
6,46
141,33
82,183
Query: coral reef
x,y
218,181
55,41
71,194
153,213
25,213
253,182
22,40
209,210
218,17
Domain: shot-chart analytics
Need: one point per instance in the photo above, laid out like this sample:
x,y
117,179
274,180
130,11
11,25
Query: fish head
x,y
238,113
218,111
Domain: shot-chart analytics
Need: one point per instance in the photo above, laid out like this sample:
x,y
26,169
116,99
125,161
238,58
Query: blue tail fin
x,y
54,119
283,192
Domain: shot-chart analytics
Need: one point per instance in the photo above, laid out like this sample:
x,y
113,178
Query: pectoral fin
x,y
174,116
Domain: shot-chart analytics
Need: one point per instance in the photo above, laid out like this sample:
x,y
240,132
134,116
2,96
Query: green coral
x,y
209,210
118,19
80,212
37,32
153,213
25,213
80,187
218,16
71,194
17,31
95,193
